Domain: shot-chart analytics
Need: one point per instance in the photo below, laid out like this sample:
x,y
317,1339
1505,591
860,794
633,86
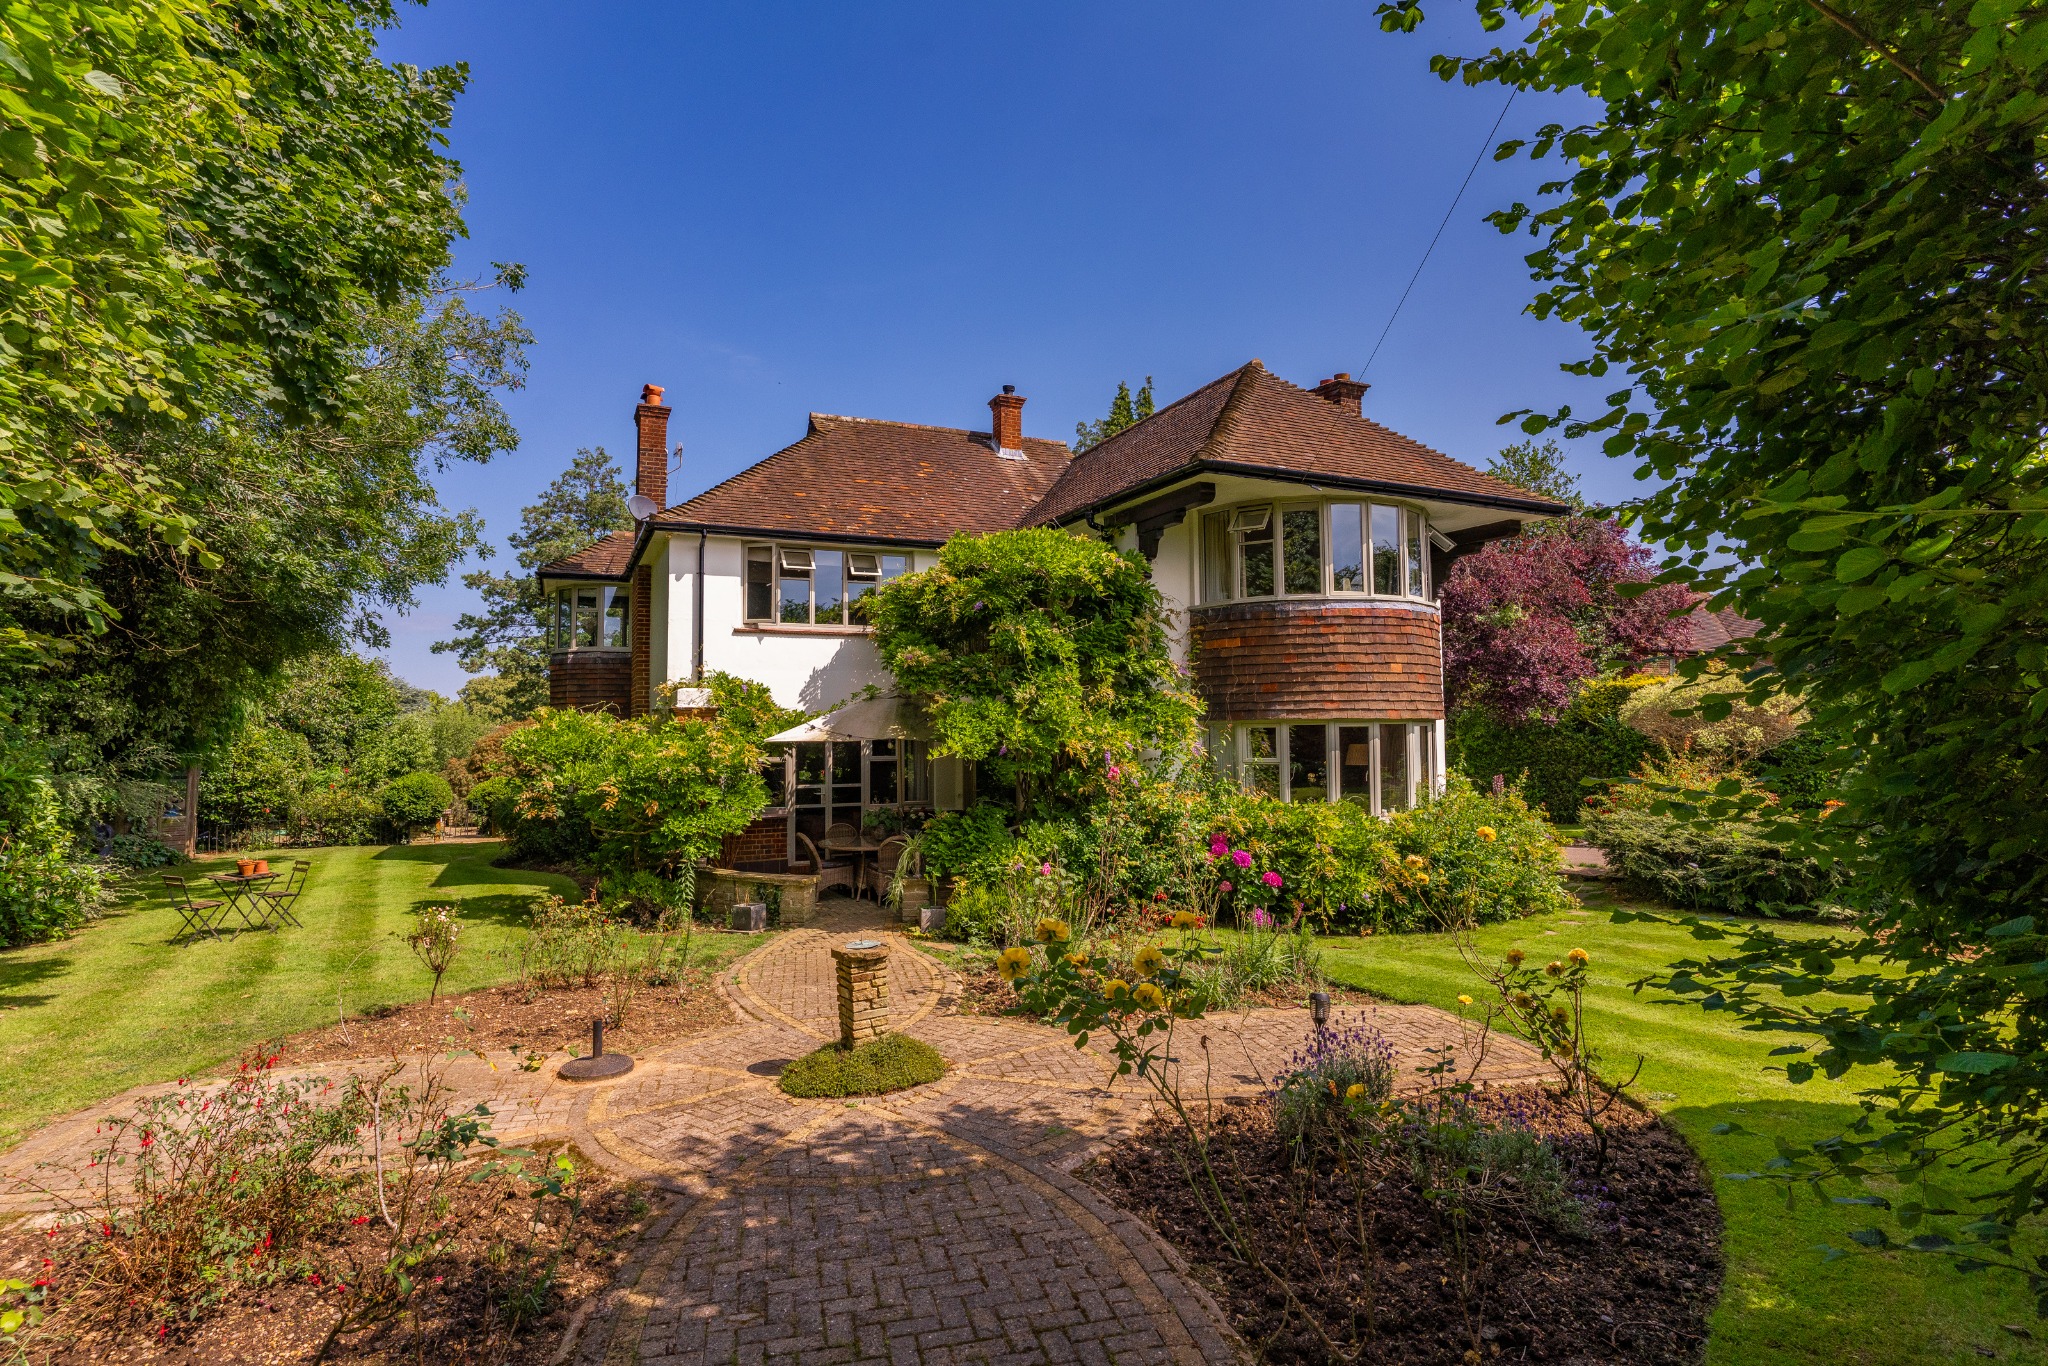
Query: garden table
x,y
861,849
242,893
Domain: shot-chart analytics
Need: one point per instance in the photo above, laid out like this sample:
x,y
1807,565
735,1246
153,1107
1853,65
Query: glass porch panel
x,y
565,619
846,778
617,619
1425,761
796,595
1255,549
586,616
1347,547
775,773
1301,550
1354,764
1262,776
1261,742
1394,768
810,774
1217,570
1261,759
828,587
1308,763
882,790
760,582
1386,550
1415,560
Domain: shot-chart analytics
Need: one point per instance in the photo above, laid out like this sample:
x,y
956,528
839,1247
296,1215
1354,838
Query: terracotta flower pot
x,y
245,866
262,867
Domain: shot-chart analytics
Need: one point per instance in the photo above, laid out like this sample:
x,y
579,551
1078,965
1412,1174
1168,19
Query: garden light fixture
x,y
1319,1009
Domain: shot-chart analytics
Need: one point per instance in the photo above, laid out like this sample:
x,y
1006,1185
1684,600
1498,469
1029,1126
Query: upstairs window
x,y
813,585
1271,550
591,616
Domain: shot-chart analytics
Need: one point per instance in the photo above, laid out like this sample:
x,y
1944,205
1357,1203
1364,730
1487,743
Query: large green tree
x,y
1807,241
508,637
1042,654
200,201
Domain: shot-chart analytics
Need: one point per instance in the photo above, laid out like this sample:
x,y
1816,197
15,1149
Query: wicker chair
x,y
829,874
841,832
883,870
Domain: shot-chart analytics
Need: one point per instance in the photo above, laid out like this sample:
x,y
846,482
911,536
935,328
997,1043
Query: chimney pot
x,y
650,465
1007,408
1344,391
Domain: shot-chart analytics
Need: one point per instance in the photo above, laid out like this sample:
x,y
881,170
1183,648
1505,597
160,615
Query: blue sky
x,y
892,210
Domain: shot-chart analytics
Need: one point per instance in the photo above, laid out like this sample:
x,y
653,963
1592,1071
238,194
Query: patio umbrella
x,y
877,718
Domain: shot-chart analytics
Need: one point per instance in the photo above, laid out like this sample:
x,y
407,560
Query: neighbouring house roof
x,y
1253,422
1710,630
864,479
610,558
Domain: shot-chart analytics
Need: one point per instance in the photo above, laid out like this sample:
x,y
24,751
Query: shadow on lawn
x,y
15,976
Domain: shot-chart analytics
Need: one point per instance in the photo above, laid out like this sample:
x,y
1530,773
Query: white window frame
x,y
804,557
1270,515
1232,744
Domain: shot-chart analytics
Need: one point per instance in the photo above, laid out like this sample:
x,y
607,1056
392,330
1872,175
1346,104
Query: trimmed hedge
x,y
1590,741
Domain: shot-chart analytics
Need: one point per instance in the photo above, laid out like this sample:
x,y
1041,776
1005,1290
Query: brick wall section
x,y
591,680
641,693
1317,660
766,839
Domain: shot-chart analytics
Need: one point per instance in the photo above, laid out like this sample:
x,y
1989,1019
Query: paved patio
x,y
938,1224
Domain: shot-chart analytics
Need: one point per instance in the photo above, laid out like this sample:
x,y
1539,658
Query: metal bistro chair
x,y
280,903
883,870
196,913
829,874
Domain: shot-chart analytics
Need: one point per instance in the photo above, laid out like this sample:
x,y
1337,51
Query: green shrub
x,y
574,942
140,851
1487,1168
1553,763
1316,1087
334,815
1670,713
415,801
890,1063
254,781
48,887
1485,858
958,843
1805,769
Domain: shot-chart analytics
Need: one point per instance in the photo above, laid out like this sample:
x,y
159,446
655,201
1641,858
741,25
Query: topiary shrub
x,y
1553,763
890,1063
415,801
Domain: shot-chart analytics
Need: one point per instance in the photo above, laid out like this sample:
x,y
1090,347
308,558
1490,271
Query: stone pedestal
x,y
750,916
863,991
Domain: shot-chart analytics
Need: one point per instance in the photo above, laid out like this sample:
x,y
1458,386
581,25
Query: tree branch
x,y
1848,26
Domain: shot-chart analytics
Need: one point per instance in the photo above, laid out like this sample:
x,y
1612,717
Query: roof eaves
x,y
663,523
1534,506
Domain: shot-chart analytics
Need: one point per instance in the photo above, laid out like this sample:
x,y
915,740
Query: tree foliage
x,y
1125,410
1038,652
1527,620
1806,240
1539,469
200,202
508,637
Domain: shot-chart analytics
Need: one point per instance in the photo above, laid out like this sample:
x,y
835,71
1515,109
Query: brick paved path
x,y
939,1224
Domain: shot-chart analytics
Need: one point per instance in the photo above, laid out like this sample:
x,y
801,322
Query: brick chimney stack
x,y
650,467
1344,391
1008,411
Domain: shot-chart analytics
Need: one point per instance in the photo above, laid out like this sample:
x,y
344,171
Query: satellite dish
x,y
642,507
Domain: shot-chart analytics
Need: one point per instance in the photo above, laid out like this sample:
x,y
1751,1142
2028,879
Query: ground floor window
x,y
1385,766
820,784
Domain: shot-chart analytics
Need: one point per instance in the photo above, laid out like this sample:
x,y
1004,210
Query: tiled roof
x,y
895,481
1253,421
610,558
1707,630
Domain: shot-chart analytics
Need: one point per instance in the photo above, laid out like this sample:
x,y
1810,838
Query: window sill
x,y
777,629
1323,599
592,650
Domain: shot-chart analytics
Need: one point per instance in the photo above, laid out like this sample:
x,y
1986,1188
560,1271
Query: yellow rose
x,y
1579,956
1013,963
1464,1000
1560,1014
1115,987
1554,968
1051,931
1422,878
1149,960
1075,960
1186,920
1485,832
1355,1091
1515,957
1148,995
1415,861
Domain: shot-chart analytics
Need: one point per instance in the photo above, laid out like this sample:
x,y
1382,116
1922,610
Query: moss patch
x,y
890,1063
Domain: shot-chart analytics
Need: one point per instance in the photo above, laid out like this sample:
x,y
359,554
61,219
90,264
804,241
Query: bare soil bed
x,y
509,1017
1635,1285
483,1301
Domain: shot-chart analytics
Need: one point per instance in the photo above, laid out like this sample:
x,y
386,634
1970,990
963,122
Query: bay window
x,y
814,585
1289,549
1384,766
590,616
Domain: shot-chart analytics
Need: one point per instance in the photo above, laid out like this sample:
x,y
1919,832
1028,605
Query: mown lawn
x,y
120,1004
1780,1302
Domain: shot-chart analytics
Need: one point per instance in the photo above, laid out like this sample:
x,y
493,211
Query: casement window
x,y
1268,550
814,586
1384,766
591,616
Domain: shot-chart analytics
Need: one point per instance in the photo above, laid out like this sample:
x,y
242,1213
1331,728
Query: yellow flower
x,y
1013,962
1075,960
1415,861
1485,832
1422,878
1515,957
1554,968
1148,995
1115,987
1560,1014
1185,920
1149,960
1355,1091
1464,1000
1052,931
1578,956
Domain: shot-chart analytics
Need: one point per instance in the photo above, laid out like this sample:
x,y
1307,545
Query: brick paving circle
x,y
938,1224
